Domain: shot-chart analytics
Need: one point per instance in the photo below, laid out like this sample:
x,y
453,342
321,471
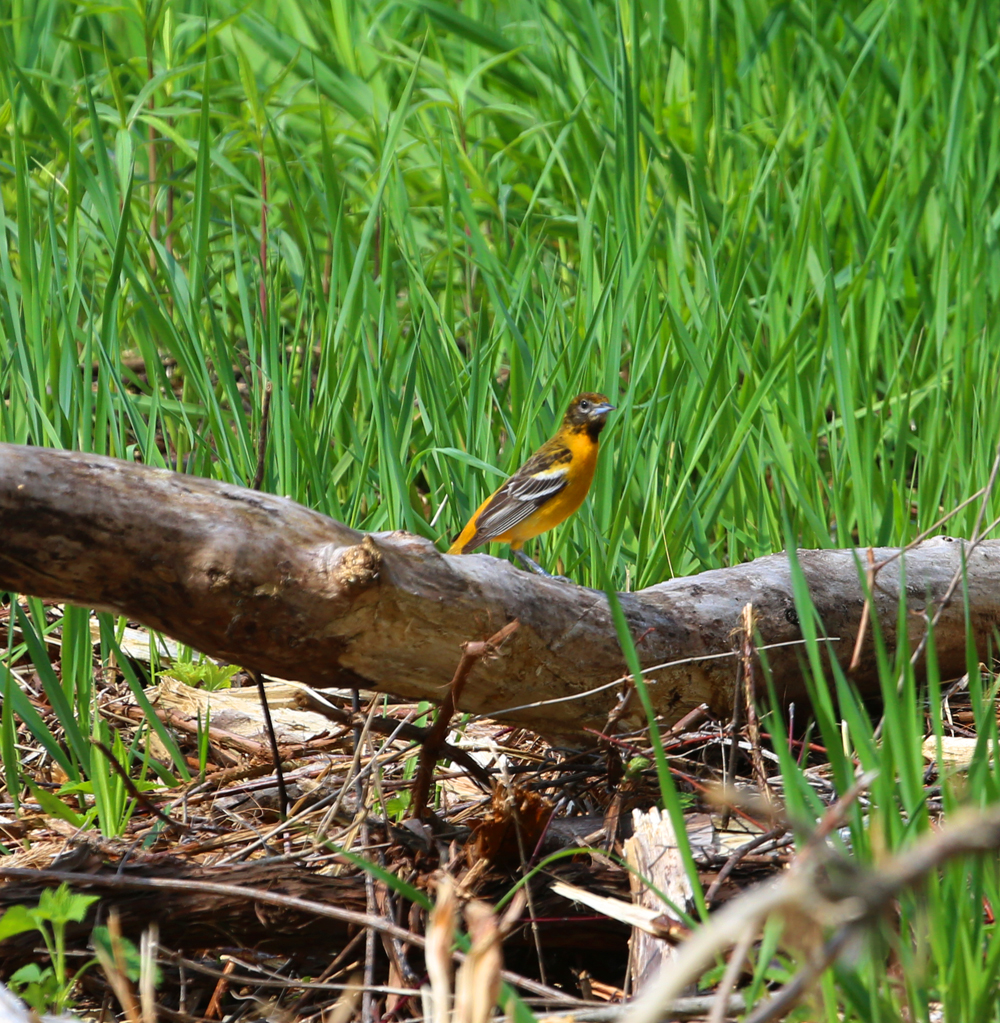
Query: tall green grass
x,y
768,232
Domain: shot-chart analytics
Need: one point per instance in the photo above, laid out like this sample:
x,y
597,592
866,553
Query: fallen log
x,y
265,906
177,895
261,581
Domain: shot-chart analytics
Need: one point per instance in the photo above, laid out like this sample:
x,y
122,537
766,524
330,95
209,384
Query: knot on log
x,y
359,565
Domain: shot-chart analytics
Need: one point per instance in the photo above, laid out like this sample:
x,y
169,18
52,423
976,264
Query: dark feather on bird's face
x,y
588,412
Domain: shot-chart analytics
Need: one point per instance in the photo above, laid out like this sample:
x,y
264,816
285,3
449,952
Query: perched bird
x,y
548,488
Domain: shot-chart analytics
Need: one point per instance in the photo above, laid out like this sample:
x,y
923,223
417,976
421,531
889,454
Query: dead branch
x,y
261,581
431,751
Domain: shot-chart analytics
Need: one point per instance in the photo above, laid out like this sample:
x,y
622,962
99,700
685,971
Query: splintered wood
x,y
653,855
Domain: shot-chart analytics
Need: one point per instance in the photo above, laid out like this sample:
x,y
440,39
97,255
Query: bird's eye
x,y
584,405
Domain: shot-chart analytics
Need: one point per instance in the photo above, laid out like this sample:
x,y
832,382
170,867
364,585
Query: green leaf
x,y
101,938
54,806
62,905
17,920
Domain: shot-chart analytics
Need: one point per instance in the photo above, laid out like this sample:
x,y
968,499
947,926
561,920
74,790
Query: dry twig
x,y
431,751
273,740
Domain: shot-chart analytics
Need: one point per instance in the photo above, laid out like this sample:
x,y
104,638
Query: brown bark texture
x,y
263,582
190,919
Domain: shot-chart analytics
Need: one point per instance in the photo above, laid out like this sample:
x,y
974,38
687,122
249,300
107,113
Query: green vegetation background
x,y
769,231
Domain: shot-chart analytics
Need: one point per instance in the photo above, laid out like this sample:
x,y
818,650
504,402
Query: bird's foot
x,y
532,566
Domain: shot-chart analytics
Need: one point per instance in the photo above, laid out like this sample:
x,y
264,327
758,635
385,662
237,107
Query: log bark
x,y
261,581
190,919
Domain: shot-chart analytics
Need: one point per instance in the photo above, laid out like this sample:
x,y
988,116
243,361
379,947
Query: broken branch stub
x,y
261,581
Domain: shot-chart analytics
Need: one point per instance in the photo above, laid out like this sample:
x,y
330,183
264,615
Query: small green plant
x,y
47,988
636,766
398,805
112,947
202,674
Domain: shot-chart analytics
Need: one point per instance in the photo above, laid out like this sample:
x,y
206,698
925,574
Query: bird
x,y
548,488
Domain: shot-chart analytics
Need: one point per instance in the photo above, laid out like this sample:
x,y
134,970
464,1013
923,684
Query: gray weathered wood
x,y
654,857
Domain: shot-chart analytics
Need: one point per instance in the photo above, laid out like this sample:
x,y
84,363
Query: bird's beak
x,y
601,410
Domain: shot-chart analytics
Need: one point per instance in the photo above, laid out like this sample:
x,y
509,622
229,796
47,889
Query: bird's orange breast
x,y
580,476
571,455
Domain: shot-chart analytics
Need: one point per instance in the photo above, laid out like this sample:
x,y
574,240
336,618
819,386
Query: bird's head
x,y
588,412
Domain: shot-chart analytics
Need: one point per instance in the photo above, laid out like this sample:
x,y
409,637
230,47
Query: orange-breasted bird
x,y
548,488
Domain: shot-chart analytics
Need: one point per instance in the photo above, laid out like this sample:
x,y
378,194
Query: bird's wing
x,y
522,495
